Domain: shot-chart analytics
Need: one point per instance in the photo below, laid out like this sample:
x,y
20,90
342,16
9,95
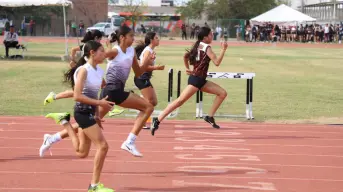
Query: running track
x,y
167,42
184,156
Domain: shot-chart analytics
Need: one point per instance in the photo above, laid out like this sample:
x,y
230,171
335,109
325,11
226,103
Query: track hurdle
x,y
170,96
229,75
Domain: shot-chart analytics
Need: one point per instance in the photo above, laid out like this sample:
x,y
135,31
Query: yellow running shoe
x,y
58,117
50,98
99,188
115,111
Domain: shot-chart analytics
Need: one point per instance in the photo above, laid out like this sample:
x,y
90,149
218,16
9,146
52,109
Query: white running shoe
x,y
131,148
45,146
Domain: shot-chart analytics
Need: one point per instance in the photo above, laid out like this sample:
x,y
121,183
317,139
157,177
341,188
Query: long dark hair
x,y
89,46
141,46
113,36
122,31
91,35
192,54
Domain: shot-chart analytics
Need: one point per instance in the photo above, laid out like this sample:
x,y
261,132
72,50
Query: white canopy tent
x,y
24,3
282,15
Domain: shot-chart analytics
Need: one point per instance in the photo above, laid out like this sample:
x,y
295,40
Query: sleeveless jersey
x,y
118,69
92,84
200,67
148,74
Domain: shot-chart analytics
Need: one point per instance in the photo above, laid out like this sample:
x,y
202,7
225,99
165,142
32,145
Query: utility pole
x,y
302,6
334,11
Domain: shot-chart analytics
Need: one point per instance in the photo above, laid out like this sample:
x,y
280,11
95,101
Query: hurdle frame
x,y
229,75
169,95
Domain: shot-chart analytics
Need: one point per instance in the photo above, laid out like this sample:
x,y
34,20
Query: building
x,y
325,11
88,11
167,3
297,4
150,3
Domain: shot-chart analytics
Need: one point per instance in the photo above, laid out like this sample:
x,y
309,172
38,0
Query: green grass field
x,y
291,84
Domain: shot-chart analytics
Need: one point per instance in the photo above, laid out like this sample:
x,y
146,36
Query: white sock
x,y
54,96
131,138
55,138
63,122
94,185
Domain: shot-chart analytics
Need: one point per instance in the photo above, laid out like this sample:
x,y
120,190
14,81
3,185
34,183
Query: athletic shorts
x,y
196,81
142,83
117,96
85,118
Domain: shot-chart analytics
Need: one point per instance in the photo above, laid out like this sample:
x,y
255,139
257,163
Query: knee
x,y
149,108
82,155
153,102
222,94
104,146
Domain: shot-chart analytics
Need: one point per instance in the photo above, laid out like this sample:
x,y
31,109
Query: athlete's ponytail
x,y
193,53
88,47
113,37
141,46
92,35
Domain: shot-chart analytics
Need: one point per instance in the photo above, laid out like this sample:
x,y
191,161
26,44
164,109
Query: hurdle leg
x,y
197,105
178,84
178,91
247,103
201,104
250,98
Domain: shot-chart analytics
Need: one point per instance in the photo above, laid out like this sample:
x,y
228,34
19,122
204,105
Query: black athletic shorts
x,y
117,96
142,83
196,81
84,117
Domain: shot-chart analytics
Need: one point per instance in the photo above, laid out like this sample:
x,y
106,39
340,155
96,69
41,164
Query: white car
x,y
105,28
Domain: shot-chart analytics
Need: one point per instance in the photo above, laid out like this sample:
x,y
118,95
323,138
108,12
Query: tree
x,y
218,9
41,14
136,9
193,9
221,9
87,11
286,2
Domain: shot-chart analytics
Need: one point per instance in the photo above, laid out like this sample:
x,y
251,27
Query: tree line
x,y
227,9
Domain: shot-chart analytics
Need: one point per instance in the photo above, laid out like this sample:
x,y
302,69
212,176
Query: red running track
x,y
183,156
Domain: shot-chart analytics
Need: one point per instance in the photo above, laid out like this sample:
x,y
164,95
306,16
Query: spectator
x,y
7,26
192,31
143,29
81,28
11,40
184,31
32,25
73,28
326,33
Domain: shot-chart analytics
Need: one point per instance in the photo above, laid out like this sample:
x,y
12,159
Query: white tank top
x,y
118,69
147,48
148,74
92,83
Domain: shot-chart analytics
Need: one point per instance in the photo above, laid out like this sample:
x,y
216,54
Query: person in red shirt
x,y
200,57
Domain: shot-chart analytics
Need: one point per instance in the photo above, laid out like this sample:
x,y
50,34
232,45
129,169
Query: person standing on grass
x,y
86,80
143,51
121,59
199,56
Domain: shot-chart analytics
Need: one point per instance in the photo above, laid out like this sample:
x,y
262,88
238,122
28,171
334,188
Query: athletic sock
x,y
131,138
94,185
55,138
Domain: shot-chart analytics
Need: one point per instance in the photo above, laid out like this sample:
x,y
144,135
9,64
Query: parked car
x,y
105,28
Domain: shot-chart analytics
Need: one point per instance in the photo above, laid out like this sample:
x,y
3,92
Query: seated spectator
x,y
11,40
